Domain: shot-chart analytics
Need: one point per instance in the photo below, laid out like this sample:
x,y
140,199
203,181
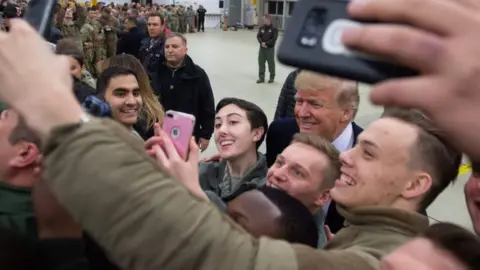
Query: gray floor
x,y
230,60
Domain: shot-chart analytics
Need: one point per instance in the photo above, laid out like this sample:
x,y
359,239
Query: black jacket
x,y
82,90
286,100
187,89
267,34
131,42
152,57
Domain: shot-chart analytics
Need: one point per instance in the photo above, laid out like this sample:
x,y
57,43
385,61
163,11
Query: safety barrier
x,y
213,20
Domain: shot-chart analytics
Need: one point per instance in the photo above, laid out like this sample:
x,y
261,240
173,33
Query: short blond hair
x,y
347,91
332,171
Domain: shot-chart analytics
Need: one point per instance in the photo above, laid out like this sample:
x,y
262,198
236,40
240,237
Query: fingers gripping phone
x,y
39,14
312,41
179,127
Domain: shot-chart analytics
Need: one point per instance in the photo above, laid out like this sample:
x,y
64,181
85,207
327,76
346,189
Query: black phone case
x,y
313,56
39,14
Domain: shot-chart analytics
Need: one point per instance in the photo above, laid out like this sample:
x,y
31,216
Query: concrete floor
x,y
230,60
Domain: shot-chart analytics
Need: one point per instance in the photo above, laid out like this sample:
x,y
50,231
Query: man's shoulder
x,y
284,124
341,259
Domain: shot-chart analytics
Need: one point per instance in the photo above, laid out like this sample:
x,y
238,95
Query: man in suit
x,y
325,106
132,41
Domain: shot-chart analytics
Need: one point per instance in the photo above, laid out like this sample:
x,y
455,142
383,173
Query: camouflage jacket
x,y
72,30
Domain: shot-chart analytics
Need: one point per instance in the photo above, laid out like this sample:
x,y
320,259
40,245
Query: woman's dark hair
x,y
296,222
107,75
256,116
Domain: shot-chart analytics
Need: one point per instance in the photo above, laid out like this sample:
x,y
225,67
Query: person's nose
x,y
223,129
346,157
130,100
303,110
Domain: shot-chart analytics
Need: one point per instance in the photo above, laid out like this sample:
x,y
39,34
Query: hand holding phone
x,y
312,41
179,128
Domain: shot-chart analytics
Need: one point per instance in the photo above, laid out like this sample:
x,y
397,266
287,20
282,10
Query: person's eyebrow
x,y
228,115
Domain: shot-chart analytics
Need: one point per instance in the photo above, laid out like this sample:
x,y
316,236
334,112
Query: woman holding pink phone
x,y
240,128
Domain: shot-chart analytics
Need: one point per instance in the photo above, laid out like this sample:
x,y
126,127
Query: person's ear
x,y
258,133
421,184
322,198
27,155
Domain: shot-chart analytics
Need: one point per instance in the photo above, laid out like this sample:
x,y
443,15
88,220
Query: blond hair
x,y
347,91
332,170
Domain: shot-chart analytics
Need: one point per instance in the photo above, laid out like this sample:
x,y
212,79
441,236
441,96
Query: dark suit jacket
x,y
279,136
131,42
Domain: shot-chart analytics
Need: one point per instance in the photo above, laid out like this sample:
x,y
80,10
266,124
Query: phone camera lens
x,y
175,133
312,27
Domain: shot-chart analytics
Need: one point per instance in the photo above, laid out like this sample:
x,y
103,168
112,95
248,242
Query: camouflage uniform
x,y
175,20
169,18
189,20
110,27
100,45
88,37
72,30
182,27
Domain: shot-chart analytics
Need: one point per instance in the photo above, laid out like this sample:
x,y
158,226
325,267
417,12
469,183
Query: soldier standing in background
x,y
169,17
98,51
189,20
69,27
201,11
181,20
110,27
174,19
267,37
88,36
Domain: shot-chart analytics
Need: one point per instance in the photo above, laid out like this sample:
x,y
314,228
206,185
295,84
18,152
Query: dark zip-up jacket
x,y
286,100
267,34
187,89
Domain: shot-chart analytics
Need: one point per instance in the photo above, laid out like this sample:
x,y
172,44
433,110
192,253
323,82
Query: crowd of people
x,y
83,192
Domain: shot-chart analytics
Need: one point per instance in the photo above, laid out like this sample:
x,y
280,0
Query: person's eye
x,y
218,125
119,94
367,154
233,122
279,162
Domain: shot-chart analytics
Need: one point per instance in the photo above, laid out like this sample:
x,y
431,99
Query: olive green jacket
x,y
215,179
147,221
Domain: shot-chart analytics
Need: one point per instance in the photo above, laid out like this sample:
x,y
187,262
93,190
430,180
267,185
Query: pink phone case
x,y
179,127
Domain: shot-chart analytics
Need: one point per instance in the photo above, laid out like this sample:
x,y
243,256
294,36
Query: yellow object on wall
x,y
94,3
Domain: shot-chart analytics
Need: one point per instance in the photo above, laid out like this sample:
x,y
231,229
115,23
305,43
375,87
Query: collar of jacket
x,y
319,218
146,42
253,178
187,68
15,200
398,220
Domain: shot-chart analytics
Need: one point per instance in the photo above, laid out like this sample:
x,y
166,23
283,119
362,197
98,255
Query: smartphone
x,y
179,127
39,14
312,41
